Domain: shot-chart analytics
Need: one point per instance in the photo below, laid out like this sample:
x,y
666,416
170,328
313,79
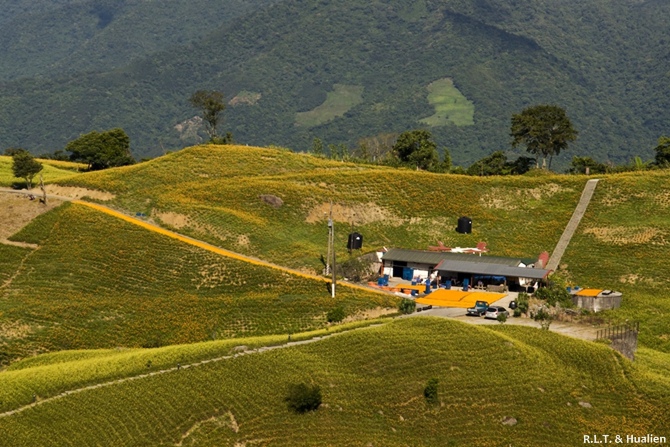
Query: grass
x,y
50,374
372,383
53,170
451,107
338,102
219,188
99,282
622,244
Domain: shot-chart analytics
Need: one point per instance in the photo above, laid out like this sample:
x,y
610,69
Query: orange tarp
x,y
589,292
458,298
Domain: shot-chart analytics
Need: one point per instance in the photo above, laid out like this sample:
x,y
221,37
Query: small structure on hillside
x,y
482,272
595,300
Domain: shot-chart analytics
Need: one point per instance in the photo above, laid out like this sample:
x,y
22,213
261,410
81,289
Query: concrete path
x,y
570,229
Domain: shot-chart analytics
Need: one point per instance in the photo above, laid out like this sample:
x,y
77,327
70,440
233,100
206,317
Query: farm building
x,y
462,268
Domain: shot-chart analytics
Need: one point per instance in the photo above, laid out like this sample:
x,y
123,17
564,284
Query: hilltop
x,y
340,71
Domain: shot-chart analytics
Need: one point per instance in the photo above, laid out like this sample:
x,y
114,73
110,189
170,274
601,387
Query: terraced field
x,y
97,281
372,381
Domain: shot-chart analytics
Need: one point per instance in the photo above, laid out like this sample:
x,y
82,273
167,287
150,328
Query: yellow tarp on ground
x,y
458,298
589,292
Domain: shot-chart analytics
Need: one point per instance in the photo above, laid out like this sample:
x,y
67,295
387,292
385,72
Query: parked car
x,y
493,311
479,309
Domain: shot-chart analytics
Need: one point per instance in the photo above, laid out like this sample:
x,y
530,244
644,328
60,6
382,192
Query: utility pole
x,y
331,226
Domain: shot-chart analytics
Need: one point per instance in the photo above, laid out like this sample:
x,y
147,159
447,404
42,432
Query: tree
x,y
545,130
663,152
26,167
211,104
101,150
302,398
579,165
416,148
497,164
430,392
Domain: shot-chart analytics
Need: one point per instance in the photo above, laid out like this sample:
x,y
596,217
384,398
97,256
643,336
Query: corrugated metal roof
x,y
435,257
482,268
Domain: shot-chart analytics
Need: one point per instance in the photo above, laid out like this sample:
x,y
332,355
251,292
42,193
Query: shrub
x,y
302,398
335,315
430,392
553,295
523,301
544,318
407,306
501,318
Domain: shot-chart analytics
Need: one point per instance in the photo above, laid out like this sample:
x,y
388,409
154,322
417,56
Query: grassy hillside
x,y
213,193
623,243
99,282
53,170
372,382
605,62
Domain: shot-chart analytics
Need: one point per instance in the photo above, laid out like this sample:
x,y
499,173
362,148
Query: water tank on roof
x,y
464,225
355,241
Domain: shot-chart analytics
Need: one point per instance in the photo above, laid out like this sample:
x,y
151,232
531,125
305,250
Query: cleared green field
x,y
372,381
338,102
450,105
53,170
99,282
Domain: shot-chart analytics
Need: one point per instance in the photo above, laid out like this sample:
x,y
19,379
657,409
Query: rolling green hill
x,y
372,381
98,282
605,62
104,299
214,193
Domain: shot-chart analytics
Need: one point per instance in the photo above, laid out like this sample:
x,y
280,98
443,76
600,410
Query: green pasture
x,y
53,170
451,107
99,282
338,102
372,382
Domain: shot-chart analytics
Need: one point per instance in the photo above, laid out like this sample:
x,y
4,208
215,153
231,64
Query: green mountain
x,y
340,71
43,39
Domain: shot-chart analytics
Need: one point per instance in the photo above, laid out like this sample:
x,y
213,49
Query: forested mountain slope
x,y
44,39
345,70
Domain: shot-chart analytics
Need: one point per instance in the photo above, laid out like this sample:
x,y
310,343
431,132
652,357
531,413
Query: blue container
x,y
447,285
466,283
407,273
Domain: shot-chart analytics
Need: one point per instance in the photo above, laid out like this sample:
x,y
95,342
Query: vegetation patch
x,y
338,102
245,98
451,107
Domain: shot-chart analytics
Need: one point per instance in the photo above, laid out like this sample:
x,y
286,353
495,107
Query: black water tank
x,y
355,241
464,225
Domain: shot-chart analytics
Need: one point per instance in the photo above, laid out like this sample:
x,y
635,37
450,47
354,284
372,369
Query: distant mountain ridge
x,y
605,62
